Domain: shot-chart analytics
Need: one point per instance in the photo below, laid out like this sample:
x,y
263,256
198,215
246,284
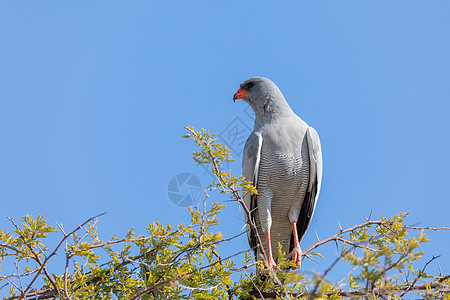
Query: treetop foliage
x,y
183,261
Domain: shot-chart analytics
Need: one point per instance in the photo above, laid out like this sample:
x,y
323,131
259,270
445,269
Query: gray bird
x,y
283,159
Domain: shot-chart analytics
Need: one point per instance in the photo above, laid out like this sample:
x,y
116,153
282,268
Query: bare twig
x,y
37,259
53,253
12,248
426,228
346,276
322,277
375,291
181,276
355,244
419,275
66,292
244,267
254,285
339,233
18,275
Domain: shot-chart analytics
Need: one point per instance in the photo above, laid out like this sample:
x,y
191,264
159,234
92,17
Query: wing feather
x,y
250,167
315,182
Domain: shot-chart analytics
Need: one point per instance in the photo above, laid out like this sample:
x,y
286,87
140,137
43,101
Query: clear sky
x,y
94,97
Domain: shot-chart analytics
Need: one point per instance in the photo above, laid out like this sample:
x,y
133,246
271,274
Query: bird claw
x,y
272,263
296,256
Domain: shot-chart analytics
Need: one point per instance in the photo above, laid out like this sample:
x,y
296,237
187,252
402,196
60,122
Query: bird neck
x,y
271,110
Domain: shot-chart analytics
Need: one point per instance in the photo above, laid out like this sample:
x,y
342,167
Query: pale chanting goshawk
x,y
283,159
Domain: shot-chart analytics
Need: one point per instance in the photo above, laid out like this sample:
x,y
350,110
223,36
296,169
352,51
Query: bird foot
x,y
296,256
272,263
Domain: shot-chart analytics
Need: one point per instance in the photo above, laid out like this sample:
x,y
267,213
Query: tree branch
x,y
235,193
54,252
336,236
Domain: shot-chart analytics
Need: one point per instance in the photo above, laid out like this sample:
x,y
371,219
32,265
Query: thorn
x,y
346,225
405,279
240,219
60,227
415,224
439,266
316,235
370,216
339,225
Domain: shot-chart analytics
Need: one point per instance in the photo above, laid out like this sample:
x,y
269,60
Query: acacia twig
x,y
322,277
336,236
426,228
235,193
66,292
419,275
54,253
37,259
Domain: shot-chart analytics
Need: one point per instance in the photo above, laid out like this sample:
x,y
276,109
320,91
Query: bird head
x,y
262,95
252,89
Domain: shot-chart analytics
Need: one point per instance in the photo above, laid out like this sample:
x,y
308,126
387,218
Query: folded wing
x,y
315,181
250,166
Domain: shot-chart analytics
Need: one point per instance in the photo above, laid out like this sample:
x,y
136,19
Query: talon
x,y
272,263
296,256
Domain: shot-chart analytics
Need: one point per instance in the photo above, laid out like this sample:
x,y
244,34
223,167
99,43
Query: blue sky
x,y
94,97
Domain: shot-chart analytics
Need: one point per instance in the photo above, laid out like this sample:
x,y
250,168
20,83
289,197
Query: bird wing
x,y
250,166
315,181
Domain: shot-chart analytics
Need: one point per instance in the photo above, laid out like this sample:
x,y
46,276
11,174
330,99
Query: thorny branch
x,y
413,287
42,264
38,260
438,285
341,232
419,275
235,193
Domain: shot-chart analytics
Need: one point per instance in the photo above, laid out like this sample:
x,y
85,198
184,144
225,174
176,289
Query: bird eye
x,y
249,85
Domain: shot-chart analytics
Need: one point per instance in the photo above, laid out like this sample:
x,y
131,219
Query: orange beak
x,y
239,94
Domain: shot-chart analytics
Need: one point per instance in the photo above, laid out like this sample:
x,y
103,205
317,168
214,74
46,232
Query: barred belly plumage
x,y
283,177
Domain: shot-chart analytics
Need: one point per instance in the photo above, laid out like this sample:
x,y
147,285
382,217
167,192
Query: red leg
x,y
270,261
296,253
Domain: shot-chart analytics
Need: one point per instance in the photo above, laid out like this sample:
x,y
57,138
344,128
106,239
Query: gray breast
x,y
286,175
